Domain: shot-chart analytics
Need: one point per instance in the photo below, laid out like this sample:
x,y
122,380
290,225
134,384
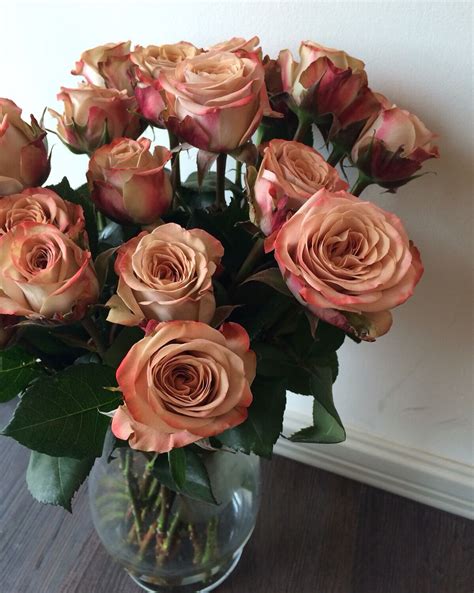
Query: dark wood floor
x,y
317,533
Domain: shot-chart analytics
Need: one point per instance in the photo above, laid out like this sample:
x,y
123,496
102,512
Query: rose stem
x,y
304,124
127,470
254,255
220,181
175,164
359,186
151,530
196,545
238,174
336,155
211,541
93,331
168,541
100,220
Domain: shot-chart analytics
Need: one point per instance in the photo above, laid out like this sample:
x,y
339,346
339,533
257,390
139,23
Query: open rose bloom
x,y
159,320
215,371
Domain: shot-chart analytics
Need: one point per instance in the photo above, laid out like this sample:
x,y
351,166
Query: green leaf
x,y
80,196
264,424
209,183
17,370
271,277
55,480
327,426
122,344
61,415
177,461
196,485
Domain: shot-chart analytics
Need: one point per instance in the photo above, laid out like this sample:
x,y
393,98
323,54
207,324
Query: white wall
x,y
413,386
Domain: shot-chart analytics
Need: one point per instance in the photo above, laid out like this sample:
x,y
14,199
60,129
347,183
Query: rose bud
x,y
392,147
348,261
107,66
183,382
166,275
215,101
94,116
324,83
44,274
289,174
150,61
128,183
24,158
42,205
7,330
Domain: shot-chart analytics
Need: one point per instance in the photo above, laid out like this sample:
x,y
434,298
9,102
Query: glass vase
x,y
171,542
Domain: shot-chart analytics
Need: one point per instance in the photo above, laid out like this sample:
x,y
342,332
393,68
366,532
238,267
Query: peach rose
x,y
42,205
393,146
150,61
24,158
325,82
183,382
129,183
237,44
348,261
289,174
216,100
44,274
166,275
94,116
107,66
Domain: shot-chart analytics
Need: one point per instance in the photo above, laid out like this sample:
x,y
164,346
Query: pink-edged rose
x,y
237,44
129,183
95,116
216,100
166,275
348,261
107,66
393,146
42,205
150,61
24,158
183,382
325,82
44,275
289,174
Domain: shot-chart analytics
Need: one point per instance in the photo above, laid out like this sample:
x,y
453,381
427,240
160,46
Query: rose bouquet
x,y
157,322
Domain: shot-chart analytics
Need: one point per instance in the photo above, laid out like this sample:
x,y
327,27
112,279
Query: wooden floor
x,y
317,533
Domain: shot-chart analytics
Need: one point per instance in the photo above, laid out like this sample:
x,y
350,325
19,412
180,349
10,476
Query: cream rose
x,y
44,274
107,66
237,44
183,382
393,146
43,206
348,261
166,275
150,61
129,183
289,174
94,116
216,100
24,158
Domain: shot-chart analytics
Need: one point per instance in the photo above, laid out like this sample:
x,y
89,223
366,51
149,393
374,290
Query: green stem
x,y
336,155
359,186
254,255
168,541
100,220
220,181
211,541
92,329
238,174
193,537
128,473
304,124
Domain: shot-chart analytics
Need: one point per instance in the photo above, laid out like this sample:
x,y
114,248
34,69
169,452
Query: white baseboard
x,y
426,478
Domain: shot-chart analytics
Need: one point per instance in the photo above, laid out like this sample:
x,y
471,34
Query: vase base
x,y
190,588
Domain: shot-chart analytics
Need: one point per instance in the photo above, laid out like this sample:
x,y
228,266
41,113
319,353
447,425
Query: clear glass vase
x,y
169,542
